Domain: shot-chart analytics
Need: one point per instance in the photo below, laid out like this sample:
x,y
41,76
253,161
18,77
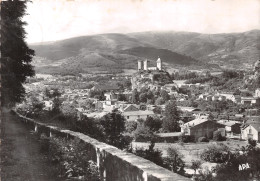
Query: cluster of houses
x,y
199,126
252,100
198,123
202,126
131,112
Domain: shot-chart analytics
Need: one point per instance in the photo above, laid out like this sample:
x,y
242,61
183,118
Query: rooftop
x,y
196,121
228,122
140,113
173,134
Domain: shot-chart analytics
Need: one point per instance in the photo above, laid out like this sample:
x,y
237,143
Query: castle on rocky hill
x,y
143,65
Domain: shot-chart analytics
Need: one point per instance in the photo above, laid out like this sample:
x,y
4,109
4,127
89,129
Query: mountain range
x,y
117,52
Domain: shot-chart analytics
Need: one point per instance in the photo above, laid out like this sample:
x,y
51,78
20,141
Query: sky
x,y
51,20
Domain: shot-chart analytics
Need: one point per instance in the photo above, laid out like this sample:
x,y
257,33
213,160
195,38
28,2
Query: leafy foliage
x,y
203,139
97,94
217,136
216,153
71,158
231,169
135,96
153,123
172,117
16,55
195,165
151,154
174,160
113,126
130,126
143,133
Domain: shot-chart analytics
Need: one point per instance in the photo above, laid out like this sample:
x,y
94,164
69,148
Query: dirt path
x,y
21,156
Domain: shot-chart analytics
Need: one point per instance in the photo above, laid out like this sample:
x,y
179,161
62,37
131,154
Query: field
x,y
191,151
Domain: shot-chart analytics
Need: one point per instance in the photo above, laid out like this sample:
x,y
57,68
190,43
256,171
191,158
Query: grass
x,y
191,151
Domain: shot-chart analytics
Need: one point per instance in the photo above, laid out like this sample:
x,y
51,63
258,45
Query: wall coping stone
x,y
149,168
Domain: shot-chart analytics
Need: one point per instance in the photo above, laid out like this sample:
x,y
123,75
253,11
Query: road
x,y
21,156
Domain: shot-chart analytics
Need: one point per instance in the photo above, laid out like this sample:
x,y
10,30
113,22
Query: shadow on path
x,y
21,155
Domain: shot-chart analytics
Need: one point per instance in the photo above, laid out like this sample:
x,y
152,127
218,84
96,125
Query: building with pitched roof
x,y
231,126
250,130
135,115
201,127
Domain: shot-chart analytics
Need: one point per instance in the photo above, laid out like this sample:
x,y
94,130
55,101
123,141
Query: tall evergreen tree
x,y
172,117
135,96
16,56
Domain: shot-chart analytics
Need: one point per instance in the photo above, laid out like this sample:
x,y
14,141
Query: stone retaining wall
x,y
114,164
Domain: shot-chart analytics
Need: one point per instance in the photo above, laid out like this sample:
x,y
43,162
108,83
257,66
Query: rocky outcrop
x,y
150,79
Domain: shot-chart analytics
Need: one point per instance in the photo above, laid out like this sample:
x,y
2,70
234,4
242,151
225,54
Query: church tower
x,y
159,64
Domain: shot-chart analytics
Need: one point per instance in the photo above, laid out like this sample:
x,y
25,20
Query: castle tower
x,y
159,63
139,64
145,65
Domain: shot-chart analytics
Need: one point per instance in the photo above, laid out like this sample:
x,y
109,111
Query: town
x,y
130,90
189,112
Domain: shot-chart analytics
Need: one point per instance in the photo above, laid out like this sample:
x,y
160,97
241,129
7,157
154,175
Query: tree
x,y
68,109
127,84
56,110
143,133
165,95
159,101
97,95
151,154
217,136
91,127
157,110
16,55
135,96
55,93
172,117
143,97
130,126
150,95
195,165
47,93
216,153
205,176
174,161
121,97
114,126
36,106
211,117
153,123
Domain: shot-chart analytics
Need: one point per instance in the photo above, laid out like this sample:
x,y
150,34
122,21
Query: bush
x,y
130,126
252,142
216,153
217,136
174,161
195,165
186,139
204,176
143,134
71,158
153,123
203,139
151,154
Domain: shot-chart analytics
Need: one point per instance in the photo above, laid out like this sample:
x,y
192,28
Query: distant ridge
x,y
114,52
